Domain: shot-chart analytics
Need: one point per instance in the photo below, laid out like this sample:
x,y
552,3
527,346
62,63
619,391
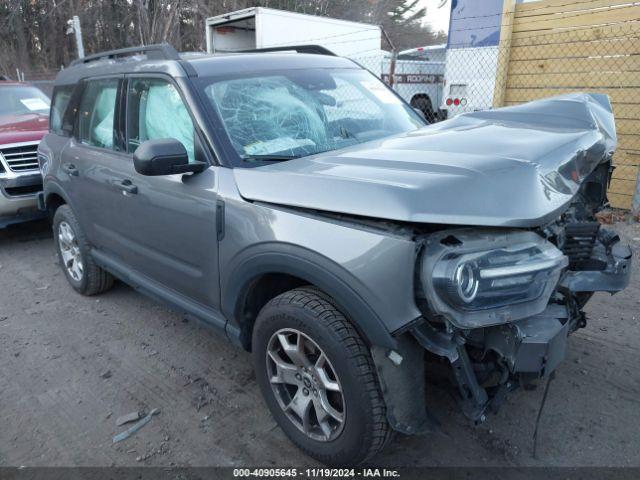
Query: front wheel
x,y
318,378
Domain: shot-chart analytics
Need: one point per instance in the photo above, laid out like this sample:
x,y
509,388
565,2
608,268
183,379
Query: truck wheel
x,y
318,378
73,251
424,104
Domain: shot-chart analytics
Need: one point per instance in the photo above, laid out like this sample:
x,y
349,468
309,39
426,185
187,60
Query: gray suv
x,y
294,202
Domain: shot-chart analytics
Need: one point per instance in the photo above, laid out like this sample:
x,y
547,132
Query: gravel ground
x,y
70,365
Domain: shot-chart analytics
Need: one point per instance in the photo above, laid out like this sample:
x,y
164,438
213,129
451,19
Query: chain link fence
x,y
445,81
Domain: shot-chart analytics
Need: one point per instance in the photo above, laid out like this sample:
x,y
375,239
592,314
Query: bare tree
x,y
33,32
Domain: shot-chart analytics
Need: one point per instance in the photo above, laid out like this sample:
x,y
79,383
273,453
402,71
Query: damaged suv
x,y
300,206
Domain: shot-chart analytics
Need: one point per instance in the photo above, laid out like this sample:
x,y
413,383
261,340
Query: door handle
x,y
126,186
70,169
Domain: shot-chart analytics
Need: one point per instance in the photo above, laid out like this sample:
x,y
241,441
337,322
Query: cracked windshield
x,y
297,113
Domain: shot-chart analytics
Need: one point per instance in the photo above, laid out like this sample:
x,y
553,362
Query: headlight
x,y
480,278
43,161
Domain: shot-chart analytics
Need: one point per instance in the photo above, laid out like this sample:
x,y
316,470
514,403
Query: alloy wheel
x,y
70,251
305,384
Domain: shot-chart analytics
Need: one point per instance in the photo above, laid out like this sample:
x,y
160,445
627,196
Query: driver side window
x,y
156,110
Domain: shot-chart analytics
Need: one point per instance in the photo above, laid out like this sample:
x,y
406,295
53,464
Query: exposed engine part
x,y
579,240
491,359
614,261
474,397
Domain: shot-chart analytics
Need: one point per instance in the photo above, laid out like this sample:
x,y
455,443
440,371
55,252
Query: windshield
x,y
20,100
295,113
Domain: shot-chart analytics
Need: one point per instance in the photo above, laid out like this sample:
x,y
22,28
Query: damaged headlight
x,y
480,278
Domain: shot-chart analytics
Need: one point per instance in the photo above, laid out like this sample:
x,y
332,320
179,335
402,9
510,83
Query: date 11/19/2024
x,y
316,472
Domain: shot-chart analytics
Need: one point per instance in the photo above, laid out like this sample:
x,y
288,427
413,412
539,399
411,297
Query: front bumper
x,y
613,278
534,346
18,198
489,362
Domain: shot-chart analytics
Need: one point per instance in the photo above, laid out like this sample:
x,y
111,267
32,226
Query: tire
x,y
364,430
424,105
81,271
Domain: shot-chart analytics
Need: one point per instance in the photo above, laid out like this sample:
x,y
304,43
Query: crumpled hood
x,y
517,166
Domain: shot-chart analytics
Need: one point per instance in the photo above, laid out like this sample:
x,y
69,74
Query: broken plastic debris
x,y
135,427
129,417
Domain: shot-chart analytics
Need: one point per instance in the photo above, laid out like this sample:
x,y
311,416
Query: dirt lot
x,y
70,365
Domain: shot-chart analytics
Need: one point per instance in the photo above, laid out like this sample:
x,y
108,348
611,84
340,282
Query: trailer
x,y
259,27
417,78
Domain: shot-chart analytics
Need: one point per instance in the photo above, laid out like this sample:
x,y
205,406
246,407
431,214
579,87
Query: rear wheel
x,y
318,378
424,105
73,252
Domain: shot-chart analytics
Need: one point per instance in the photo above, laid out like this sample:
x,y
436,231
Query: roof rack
x,y
160,51
315,49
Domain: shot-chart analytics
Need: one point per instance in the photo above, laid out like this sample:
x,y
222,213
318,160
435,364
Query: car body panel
x,y
376,266
516,166
23,128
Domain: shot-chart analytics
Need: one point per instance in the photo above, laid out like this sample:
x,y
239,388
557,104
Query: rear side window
x,y
97,113
61,97
156,110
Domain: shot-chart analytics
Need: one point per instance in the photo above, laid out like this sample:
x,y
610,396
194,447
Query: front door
x,y
166,225
161,229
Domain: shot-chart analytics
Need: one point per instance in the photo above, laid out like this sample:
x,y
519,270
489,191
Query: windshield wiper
x,y
271,158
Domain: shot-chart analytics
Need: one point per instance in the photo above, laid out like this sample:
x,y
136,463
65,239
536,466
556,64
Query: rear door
x,y
92,151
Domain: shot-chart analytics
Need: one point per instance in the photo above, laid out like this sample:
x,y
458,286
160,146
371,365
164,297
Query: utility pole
x,y
394,56
74,27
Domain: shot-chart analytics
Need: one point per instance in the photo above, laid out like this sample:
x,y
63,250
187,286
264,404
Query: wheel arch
x,y
420,96
54,197
259,274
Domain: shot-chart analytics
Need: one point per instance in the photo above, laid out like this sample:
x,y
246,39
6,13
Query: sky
x,y
438,18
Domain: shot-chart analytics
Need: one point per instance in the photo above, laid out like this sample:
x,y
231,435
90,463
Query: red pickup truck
x,y
24,120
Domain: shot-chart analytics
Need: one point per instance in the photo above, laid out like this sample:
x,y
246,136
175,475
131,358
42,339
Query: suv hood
x,y
516,166
30,127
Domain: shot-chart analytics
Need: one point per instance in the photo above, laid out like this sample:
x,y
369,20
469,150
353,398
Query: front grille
x,y
22,158
580,237
26,190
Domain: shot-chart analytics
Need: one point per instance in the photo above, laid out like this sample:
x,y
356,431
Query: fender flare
x,y
50,187
346,291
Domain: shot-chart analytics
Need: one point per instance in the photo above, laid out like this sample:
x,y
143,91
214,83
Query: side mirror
x,y
164,156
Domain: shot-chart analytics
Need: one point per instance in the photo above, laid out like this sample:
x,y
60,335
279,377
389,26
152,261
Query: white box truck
x,y
417,78
260,27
